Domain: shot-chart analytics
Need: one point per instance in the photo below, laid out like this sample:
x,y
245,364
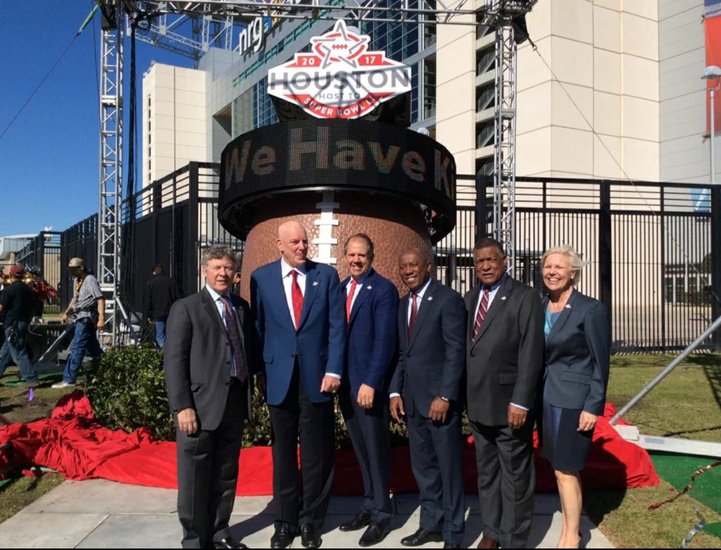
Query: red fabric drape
x,y
72,442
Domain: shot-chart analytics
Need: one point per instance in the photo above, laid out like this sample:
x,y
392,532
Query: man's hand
x,y
187,421
329,384
516,417
586,422
397,410
101,323
438,410
65,318
366,395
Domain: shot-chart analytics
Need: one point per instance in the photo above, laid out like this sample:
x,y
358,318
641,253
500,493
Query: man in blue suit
x,y
301,324
372,313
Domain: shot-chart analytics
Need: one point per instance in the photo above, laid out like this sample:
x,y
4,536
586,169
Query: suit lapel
x,y
239,314
473,299
499,302
403,314
211,309
311,290
363,294
562,318
279,291
424,305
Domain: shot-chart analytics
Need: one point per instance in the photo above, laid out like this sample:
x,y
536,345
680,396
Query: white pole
x,y
713,131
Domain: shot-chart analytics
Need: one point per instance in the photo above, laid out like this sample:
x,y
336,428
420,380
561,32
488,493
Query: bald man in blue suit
x,y
300,320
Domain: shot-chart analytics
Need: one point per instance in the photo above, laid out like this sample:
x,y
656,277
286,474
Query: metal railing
x,y
648,245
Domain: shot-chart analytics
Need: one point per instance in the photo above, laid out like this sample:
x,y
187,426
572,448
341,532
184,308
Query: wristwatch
x,y
444,399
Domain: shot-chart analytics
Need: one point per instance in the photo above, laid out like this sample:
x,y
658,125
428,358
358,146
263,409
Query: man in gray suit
x,y
426,390
504,363
209,354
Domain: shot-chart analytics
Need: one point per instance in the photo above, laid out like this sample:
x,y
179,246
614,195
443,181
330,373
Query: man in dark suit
x,y
300,321
372,314
160,293
504,364
426,390
208,361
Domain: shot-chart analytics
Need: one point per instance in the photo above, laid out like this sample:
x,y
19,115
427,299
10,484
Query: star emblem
x,y
340,45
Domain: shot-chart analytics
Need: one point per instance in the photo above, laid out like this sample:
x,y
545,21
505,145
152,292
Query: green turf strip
x,y
678,469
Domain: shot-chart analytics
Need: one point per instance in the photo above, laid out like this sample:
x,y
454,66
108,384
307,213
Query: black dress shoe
x,y
360,520
375,533
282,537
309,537
228,542
421,536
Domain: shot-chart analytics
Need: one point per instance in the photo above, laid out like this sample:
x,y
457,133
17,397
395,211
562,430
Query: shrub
x,y
128,391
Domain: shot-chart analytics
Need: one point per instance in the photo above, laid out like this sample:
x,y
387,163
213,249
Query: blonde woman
x,y
575,380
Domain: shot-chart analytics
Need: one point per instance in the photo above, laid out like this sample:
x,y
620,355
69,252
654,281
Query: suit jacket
x,y
431,363
160,293
578,355
372,347
505,362
197,356
319,343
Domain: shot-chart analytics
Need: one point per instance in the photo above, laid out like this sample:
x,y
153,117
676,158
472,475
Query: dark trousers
x,y
368,431
437,462
302,496
208,473
506,482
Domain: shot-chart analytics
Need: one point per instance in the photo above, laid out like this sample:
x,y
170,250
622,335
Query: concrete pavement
x,y
105,514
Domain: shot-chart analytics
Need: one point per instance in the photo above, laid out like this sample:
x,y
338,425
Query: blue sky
x,y
49,156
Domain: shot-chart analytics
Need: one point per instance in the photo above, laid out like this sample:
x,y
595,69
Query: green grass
x,y
16,494
686,404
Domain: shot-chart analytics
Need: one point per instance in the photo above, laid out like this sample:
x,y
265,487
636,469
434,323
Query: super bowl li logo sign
x,y
340,77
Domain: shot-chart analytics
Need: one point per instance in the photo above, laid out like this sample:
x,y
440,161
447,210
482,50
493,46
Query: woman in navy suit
x,y
574,394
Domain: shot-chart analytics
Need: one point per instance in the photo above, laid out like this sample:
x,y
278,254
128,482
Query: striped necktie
x,y
481,314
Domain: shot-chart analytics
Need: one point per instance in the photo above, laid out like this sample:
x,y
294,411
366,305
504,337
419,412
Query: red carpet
x,y
76,445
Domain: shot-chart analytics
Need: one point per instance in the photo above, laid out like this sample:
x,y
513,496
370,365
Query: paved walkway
x,y
105,514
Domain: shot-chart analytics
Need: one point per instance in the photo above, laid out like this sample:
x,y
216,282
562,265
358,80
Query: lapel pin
x,y
567,306
504,298
430,298
315,283
369,287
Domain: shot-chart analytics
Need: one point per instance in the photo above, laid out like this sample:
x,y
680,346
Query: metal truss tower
x,y
504,15
111,165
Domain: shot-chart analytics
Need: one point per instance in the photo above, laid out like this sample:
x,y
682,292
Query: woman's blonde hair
x,y
576,261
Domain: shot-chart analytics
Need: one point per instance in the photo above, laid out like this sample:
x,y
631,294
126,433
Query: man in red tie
x,y
372,314
426,392
300,321
504,363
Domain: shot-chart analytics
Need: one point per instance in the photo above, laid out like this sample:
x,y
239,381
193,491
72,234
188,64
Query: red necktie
x,y
414,312
349,299
481,315
297,299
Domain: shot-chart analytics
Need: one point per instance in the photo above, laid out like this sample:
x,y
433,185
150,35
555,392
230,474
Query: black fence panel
x,y
42,255
81,241
169,223
648,246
